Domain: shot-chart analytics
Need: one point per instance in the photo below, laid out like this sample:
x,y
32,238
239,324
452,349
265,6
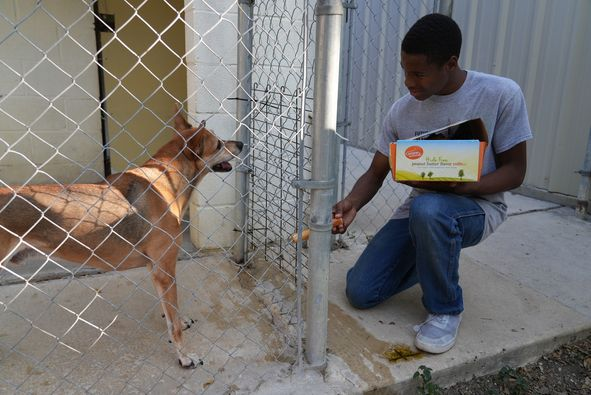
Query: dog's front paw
x,y
189,363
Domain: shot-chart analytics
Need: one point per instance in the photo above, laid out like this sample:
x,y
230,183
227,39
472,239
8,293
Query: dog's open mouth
x,y
222,167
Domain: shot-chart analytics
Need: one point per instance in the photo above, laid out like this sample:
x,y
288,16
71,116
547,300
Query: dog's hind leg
x,y
8,244
163,277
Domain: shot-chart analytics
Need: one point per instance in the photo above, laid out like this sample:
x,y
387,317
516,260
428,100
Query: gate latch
x,y
311,184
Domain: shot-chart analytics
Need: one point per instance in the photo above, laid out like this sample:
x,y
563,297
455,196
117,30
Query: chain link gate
x,y
280,138
71,112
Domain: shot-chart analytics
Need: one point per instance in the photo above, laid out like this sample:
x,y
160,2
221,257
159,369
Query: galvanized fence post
x,y
445,7
329,15
243,115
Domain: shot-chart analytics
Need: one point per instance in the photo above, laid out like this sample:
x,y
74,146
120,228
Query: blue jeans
x,y
424,248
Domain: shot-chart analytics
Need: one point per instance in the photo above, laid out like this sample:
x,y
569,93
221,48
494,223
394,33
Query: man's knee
x,y
425,208
358,295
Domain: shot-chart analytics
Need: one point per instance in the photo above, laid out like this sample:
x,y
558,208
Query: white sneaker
x,y
438,333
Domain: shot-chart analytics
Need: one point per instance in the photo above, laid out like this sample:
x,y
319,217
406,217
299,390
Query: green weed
x,y
426,385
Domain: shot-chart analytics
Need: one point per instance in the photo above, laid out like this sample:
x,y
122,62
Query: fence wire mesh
x,y
276,162
87,88
371,81
281,138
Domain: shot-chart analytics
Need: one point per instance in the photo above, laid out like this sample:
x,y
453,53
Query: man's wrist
x,y
467,188
353,202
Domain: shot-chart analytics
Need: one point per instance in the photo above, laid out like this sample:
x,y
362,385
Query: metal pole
x,y
303,92
99,27
584,195
446,7
345,120
329,15
243,113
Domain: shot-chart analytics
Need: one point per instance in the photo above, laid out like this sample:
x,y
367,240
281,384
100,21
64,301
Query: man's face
x,y
424,79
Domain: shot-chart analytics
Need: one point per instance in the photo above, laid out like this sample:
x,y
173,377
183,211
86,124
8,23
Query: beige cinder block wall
x,y
211,39
50,127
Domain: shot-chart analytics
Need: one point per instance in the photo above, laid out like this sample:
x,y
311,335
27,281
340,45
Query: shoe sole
x,y
433,349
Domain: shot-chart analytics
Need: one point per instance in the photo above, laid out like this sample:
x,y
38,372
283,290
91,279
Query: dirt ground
x,y
566,370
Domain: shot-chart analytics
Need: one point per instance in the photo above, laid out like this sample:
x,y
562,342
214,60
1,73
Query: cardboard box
x,y
452,153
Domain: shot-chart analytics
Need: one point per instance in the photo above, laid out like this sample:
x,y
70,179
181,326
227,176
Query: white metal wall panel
x,y
544,46
371,70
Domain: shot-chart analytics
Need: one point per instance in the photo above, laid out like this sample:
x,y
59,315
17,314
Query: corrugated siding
x,y
371,75
544,45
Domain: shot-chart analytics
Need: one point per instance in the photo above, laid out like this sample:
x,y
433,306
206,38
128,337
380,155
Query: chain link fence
x,y
282,105
372,79
87,89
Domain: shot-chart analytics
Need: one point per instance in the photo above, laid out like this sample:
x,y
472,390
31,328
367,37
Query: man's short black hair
x,y
435,35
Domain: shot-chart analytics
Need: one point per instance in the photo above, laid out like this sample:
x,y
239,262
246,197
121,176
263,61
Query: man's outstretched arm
x,y
363,191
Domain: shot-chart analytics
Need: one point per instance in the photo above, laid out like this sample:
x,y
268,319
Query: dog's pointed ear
x,y
194,145
180,123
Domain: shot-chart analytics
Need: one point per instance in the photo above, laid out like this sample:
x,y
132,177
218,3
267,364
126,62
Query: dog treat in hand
x,y
306,232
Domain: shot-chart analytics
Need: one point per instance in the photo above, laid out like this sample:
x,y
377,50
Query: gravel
x,y
566,370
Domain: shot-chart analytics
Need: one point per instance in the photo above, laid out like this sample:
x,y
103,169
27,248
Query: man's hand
x,y
345,211
363,191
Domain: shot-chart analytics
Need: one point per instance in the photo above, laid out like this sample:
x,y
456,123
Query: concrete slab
x,y
504,323
525,293
549,251
519,204
105,334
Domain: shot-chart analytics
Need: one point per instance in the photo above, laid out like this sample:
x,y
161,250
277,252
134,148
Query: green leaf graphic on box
x,y
404,175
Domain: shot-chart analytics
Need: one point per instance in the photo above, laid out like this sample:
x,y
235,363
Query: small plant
x,y
461,173
512,382
430,174
426,386
422,174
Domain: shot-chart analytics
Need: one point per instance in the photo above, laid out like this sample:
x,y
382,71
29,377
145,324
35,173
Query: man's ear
x,y
452,63
180,123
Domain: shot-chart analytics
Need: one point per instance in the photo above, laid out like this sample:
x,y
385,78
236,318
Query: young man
x,y
422,242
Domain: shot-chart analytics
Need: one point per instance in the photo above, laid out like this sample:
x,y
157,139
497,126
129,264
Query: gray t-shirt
x,y
500,104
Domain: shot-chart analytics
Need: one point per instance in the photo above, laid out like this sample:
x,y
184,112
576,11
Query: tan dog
x,y
131,220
